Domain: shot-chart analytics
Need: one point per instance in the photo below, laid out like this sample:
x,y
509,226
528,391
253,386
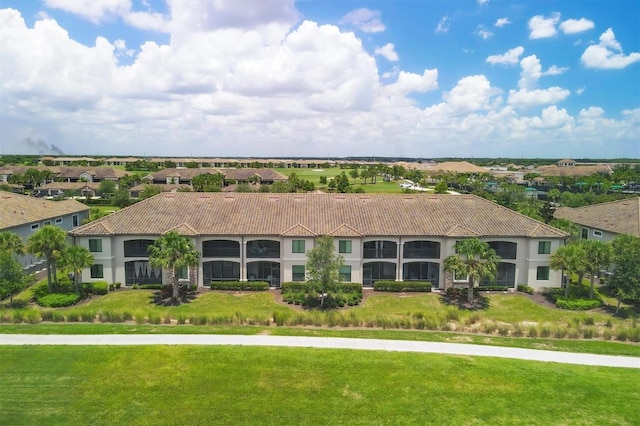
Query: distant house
x,y
606,220
566,163
68,189
24,215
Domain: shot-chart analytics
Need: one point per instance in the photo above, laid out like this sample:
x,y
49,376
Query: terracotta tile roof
x,y
101,172
319,214
184,174
456,167
17,210
244,174
619,217
74,186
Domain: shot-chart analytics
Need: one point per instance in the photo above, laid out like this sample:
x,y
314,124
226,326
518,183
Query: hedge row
x,y
525,289
399,286
58,300
240,285
331,300
578,304
303,286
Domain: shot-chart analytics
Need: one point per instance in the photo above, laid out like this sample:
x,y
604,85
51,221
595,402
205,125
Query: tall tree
x,y
48,242
570,258
474,259
625,281
12,277
323,266
75,259
598,256
567,226
11,242
173,251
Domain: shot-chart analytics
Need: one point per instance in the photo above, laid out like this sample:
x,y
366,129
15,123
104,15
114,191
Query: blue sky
x,y
316,78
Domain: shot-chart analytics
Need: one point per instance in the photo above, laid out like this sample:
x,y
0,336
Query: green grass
x,y
302,386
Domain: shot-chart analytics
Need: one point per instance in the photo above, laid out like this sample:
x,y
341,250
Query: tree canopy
x,y
323,266
173,251
48,242
474,259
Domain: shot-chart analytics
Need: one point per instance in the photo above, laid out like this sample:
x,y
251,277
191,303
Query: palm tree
x,y
598,256
570,258
474,259
11,242
75,259
173,251
48,242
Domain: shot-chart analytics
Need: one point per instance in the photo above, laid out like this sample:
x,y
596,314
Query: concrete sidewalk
x,y
323,342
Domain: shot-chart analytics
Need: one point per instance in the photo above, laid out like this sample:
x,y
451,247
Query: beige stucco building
x,y
262,236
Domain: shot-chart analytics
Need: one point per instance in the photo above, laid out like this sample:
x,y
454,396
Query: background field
x,y
248,385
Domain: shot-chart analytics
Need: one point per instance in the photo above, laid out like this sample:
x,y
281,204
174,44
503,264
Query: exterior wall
x,y
526,262
595,234
25,231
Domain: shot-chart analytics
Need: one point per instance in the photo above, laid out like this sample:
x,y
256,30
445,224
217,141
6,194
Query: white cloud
x,y
542,27
572,26
525,98
483,32
443,25
501,22
510,57
387,51
555,70
482,2
608,54
365,19
272,87
580,90
93,10
409,82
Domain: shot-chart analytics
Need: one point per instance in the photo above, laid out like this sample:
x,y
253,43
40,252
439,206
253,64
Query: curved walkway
x,y
323,342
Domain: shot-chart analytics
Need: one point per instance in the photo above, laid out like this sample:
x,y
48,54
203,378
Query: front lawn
x,y
261,385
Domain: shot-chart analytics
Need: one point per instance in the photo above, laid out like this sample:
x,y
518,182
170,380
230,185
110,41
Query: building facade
x,y
265,237
24,215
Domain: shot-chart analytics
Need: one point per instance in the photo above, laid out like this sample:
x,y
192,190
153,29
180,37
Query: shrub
x,y
622,334
87,316
493,288
400,286
578,304
148,286
589,320
73,317
240,285
57,300
525,289
100,287
46,315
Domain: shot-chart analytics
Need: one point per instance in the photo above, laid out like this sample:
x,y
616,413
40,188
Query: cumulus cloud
x,y
483,32
95,11
270,87
409,82
388,52
608,54
543,27
482,2
501,22
443,25
510,57
572,26
366,20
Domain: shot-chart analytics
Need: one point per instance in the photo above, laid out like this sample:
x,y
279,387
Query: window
x,y
182,273
504,249
95,246
47,223
597,234
74,220
137,248
263,248
344,246
298,246
379,249
542,273
421,250
220,248
35,226
345,273
96,271
298,273
544,247
585,233
58,220
460,276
